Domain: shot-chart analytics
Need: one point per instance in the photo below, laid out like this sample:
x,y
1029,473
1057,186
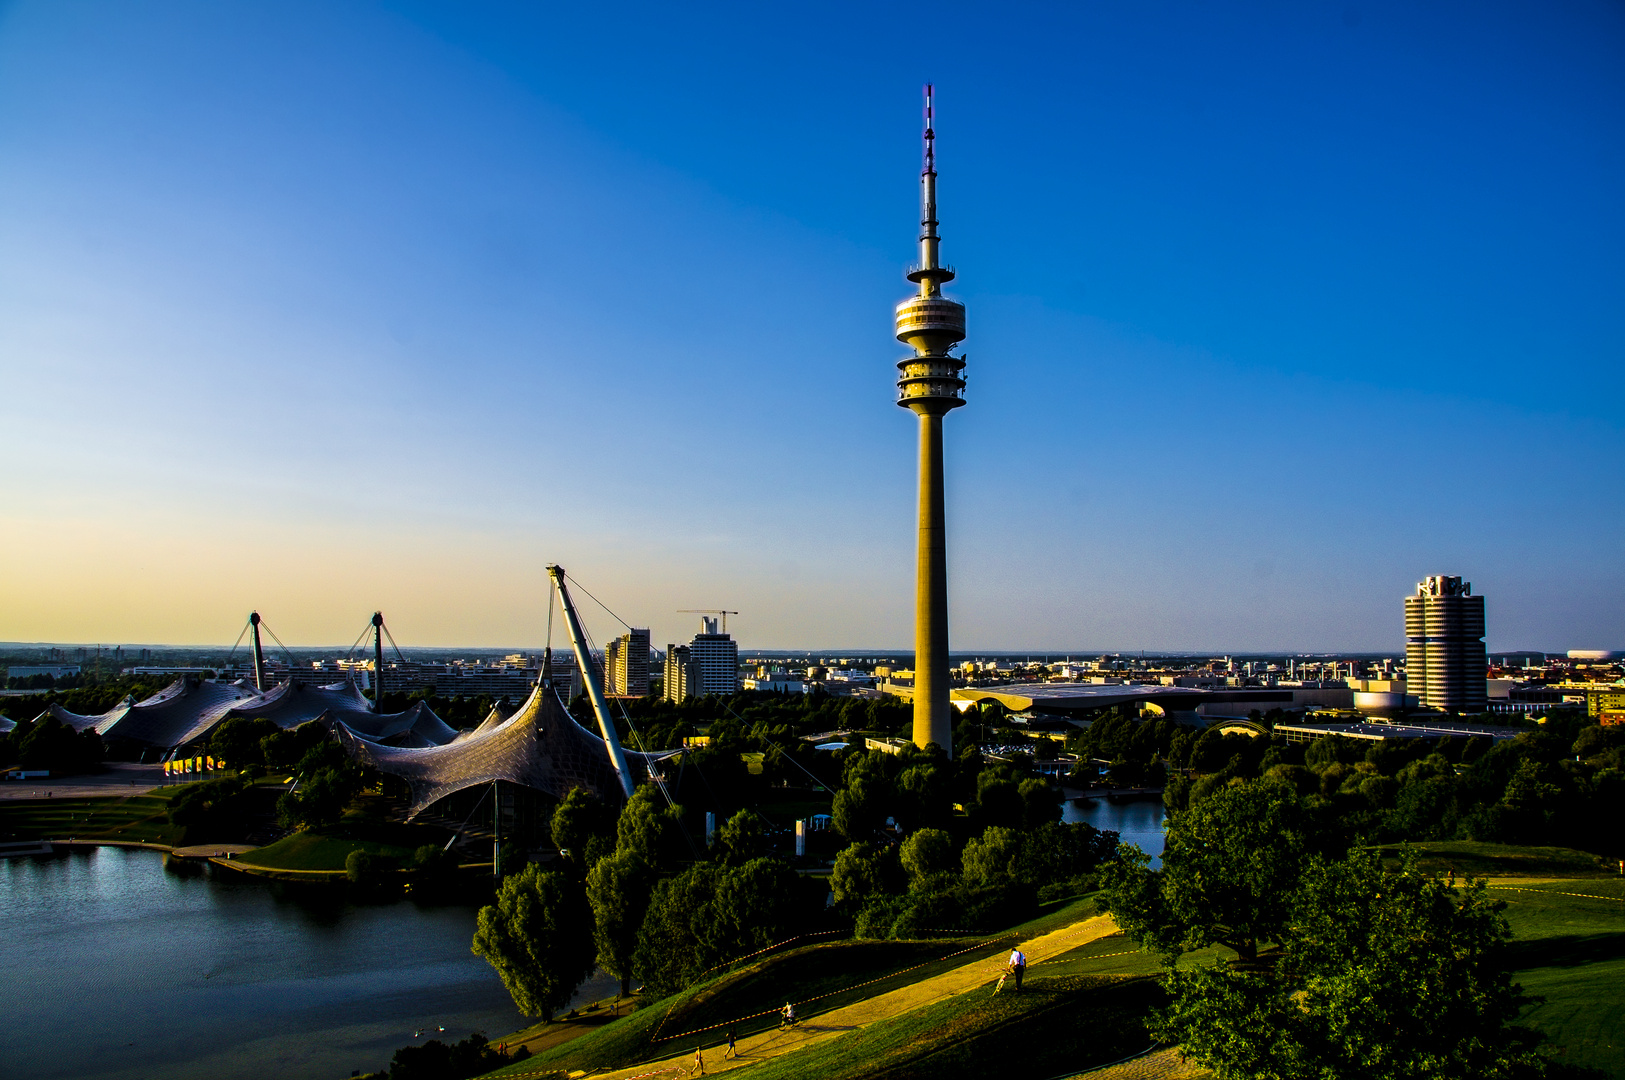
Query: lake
x,y
1139,821
116,967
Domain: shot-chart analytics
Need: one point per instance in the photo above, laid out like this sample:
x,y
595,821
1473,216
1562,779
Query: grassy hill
x,y
137,818
1087,1006
1569,947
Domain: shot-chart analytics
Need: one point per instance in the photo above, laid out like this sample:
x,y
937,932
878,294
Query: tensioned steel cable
x,y
240,635
286,654
600,603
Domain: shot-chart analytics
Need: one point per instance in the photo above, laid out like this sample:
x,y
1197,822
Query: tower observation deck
x,y
930,383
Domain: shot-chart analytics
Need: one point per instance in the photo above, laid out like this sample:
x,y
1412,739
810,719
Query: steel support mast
x,y
594,683
378,661
259,657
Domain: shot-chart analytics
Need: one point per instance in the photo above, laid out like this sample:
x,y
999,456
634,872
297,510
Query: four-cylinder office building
x,y
1445,662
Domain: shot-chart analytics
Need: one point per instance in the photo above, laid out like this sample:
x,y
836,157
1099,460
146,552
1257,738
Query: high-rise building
x,y
681,676
626,664
715,657
930,383
1445,664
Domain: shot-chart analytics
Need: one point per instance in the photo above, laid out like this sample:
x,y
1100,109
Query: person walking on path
x,y
1018,966
730,1052
699,1062
787,1016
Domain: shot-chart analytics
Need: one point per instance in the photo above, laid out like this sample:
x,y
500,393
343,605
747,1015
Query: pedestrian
x,y
699,1062
730,1052
1018,966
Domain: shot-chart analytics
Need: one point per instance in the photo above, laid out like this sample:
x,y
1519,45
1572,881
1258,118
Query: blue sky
x,y
1274,309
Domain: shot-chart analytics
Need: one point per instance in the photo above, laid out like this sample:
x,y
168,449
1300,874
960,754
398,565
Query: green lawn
x,y
142,818
837,975
326,849
1057,1024
828,973
1570,949
1501,860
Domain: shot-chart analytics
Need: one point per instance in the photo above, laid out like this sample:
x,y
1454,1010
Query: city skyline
x,y
1275,313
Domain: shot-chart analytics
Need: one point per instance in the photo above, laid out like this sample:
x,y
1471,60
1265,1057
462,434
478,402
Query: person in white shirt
x,y
1018,965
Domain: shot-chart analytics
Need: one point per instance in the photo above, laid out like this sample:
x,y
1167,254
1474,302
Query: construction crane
x,y
709,611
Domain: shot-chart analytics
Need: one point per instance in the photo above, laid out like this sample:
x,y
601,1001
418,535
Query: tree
x,y
857,810
618,889
991,857
578,820
1230,865
434,1060
863,872
539,937
211,809
321,797
359,866
709,915
927,852
1040,802
643,826
239,741
1382,976
742,838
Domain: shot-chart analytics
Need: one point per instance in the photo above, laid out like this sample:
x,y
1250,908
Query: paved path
x,y
200,851
1157,1065
773,1043
119,778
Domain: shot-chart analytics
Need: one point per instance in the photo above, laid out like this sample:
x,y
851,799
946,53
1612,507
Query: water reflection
x,y
1139,821
118,967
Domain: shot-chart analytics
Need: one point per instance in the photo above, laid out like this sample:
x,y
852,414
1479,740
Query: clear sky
x,y
1274,309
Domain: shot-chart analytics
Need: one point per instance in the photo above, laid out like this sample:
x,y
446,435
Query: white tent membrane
x,y
190,709
540,746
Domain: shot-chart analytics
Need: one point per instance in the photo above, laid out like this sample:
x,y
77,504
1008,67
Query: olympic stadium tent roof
x,y
186,709
417,726
540,746
291,703
189,709
493,719
7,724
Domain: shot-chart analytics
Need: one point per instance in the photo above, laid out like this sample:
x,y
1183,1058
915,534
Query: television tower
x,y
930,383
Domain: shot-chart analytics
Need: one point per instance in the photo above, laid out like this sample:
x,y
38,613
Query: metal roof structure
x,y
1077,697
189,709
540,746
182,712
1380,732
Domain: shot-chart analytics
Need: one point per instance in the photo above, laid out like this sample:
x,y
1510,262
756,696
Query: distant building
x,y
1445,663
55,671
626,664
681,678
716,656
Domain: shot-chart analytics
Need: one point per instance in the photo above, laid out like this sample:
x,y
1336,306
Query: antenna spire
x,y
930,135
929,284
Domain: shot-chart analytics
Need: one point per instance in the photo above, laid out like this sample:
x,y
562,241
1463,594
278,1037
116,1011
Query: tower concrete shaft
x,y
930,383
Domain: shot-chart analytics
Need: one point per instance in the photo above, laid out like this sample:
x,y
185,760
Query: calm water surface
x,y
1139,821
115,967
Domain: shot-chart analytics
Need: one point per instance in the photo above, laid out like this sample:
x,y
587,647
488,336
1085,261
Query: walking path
x,y
772,1043
118,778
1165,1064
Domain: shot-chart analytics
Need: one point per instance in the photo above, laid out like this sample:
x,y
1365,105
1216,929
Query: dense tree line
x,y
931,845
51,745
1561,783
1337,966
87,700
